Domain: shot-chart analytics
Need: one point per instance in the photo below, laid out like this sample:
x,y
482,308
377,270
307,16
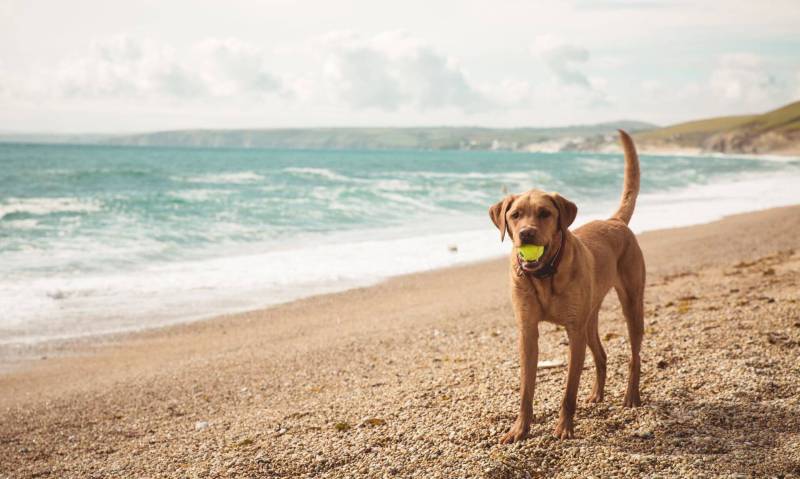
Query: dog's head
x,y
535,218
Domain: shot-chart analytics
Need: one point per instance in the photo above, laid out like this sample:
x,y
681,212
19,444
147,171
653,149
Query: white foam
x,y
697,204
399,199
28,224
198,194
704,203
321,172
474,175
195,289
394,185
236,178
46,206
597,165
732,156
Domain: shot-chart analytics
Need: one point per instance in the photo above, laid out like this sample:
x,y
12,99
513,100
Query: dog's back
x,y
611,243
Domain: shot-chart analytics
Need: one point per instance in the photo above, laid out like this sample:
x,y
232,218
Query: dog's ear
x,y
566,210
498,214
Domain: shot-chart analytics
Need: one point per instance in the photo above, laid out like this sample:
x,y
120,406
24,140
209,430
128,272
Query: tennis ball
x,y
531,252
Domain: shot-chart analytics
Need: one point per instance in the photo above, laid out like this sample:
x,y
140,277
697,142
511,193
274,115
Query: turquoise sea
x,y
97,239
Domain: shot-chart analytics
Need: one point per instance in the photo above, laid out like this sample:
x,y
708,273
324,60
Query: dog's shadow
x,y
744,436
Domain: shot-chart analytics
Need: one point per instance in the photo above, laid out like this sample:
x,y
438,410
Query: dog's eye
x,y
544,214
514,215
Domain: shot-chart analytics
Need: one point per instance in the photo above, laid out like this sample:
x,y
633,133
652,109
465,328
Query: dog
x,y
567,284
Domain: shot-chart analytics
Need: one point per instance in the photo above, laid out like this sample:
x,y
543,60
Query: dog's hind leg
x,y
630,291
599,355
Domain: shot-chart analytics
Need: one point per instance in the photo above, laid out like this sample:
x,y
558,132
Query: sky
x,y
112,66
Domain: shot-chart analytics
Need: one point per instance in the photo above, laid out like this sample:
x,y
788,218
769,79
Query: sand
x,y
418,377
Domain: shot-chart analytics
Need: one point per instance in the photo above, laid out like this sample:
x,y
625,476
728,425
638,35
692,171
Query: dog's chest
x,y
563,308
560,314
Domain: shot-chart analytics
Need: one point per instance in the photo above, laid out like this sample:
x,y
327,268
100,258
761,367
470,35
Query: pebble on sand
x,y
551,363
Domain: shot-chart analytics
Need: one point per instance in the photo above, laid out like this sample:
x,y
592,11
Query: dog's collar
x,y
550,268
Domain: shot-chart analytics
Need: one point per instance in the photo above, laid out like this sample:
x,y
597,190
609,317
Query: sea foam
x,y
46,206
234,178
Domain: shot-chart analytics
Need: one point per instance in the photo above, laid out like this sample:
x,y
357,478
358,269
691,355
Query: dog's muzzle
x,y
531,266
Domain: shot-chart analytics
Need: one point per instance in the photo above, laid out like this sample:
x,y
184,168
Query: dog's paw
x,y
632,400
595,398
564,429
518,432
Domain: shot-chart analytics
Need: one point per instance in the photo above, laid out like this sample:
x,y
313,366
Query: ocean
x,y
102,239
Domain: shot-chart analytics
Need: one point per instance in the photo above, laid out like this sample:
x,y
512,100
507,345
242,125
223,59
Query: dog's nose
x,y
528,236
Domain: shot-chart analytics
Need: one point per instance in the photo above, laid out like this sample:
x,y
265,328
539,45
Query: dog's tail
x,y
630,188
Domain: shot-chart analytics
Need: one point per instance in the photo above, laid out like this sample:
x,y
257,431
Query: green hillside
x,y
777,131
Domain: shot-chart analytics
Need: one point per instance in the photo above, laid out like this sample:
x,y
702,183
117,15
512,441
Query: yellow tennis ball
x,y
531,252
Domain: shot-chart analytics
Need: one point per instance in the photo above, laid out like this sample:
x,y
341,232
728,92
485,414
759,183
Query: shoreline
x,y
75,345
697,152
58,345
418,375
473,243
20,352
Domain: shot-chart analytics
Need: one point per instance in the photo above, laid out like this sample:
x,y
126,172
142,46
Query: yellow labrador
x,y
567,285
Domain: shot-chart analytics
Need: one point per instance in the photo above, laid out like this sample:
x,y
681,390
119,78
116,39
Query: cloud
x,y
390,71
570,85
231,67
393,70
743,78
130,68
121,66
563,60
734,84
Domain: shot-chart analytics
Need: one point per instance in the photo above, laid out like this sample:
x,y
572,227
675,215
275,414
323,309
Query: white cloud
x,y
393,70
563,59
734,84
122,66
487,69
570,86
743,78
232,67
390,71
127,68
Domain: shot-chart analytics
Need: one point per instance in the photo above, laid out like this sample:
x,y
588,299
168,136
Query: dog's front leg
x,y
529,360
577,353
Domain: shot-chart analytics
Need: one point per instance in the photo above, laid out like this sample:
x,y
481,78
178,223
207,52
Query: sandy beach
x,y
418,377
